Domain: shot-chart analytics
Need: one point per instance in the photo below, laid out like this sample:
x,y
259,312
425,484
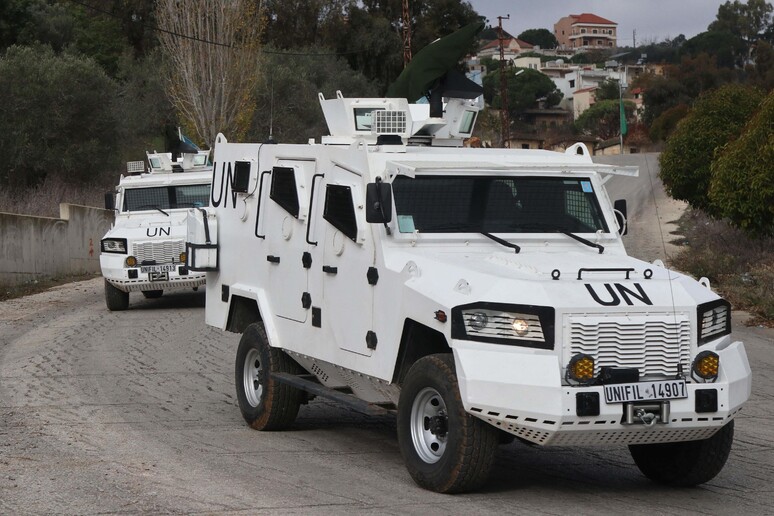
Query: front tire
x,y
687,463
445,449
266,404
115,299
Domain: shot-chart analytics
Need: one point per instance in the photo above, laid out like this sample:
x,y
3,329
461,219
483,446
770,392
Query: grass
x,y
739,268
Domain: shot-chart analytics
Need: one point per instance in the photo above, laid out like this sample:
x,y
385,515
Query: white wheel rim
x,y
429,425
252,377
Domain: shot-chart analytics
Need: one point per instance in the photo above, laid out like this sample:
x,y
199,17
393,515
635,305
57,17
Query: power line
x,y
216,43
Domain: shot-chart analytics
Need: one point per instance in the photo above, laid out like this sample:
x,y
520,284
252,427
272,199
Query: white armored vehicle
x,y
144,251
478,293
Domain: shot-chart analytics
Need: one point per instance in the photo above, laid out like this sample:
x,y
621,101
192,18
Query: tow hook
x,y
647,414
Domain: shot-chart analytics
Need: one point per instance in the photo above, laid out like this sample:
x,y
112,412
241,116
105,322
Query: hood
x,y
150,225
571,281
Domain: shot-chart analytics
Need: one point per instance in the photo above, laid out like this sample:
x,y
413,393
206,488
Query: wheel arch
x,y
242,312
417,341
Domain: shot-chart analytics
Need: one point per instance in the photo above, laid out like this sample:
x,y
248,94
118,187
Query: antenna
x,y
271,109
505,123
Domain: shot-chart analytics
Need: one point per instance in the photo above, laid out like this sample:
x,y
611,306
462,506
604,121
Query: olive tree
x,y
57,117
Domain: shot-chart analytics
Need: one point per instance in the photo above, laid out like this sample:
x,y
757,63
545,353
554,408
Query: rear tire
x,y
445,449
266,404
115,299
152,294
685,464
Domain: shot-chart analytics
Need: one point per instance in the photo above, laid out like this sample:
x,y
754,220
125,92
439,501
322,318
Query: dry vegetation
x,y
740,268
44,199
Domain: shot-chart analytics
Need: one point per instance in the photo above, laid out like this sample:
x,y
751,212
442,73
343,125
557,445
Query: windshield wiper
x,y
557,229
500,241
153,206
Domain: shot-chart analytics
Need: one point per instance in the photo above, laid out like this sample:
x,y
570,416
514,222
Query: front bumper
x,y
522,394
116,274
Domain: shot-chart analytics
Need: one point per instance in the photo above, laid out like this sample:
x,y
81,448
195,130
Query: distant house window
x,y
572,83
583,31
594,31
525,145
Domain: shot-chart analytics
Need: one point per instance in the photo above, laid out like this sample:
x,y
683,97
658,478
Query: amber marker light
x,y
706,365
581,368
182,257
131,261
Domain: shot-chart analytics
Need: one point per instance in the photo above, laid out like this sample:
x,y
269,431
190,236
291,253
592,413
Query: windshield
x,y
496,204
166,197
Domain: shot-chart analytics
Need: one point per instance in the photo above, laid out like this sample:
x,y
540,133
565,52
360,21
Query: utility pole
x,y
634,38
406,34
505,123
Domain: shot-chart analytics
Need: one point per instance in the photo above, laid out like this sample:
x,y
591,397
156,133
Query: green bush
x,y
742,186
717,118
665,123
57,117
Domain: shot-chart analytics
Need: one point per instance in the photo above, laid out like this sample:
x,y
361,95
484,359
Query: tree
x,y
57,117
288,105
747,21
608,90
728,49
742,185
762,73
665,124
524,90
603,118
541,37
661,94
716,118
215,66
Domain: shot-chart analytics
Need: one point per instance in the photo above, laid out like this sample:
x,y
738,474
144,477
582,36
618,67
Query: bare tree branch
x,y
213,47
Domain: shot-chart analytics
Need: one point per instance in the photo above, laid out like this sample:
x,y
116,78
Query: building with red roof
x,y
585,31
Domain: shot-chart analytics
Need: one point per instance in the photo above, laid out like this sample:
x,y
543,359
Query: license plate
x,y
157,268
645,391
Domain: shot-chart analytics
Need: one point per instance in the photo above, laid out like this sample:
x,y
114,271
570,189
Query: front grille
x,y
656,344
160,252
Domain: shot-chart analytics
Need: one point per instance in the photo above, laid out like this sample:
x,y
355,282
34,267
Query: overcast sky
x,y
654,20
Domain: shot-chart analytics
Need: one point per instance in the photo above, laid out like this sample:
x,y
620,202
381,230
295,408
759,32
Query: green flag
x,y
623,120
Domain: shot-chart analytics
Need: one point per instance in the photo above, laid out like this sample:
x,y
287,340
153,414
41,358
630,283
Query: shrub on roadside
x,y
717,118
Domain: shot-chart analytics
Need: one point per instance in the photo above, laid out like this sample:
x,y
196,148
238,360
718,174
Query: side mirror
x,y
378,202
620,214
110,201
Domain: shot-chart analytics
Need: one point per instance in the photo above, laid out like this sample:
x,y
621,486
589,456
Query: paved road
x,y
134,412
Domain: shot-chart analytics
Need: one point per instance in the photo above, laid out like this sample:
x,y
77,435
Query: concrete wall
x,y
37,247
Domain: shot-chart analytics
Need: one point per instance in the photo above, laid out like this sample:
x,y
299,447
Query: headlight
x,y
114,245
713,320
519,325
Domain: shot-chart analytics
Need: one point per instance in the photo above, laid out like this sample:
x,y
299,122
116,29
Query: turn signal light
x,y
581,368
706,365
182,257
131,261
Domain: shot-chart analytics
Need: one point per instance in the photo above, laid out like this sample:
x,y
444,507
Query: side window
x,y
283,189
340,210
